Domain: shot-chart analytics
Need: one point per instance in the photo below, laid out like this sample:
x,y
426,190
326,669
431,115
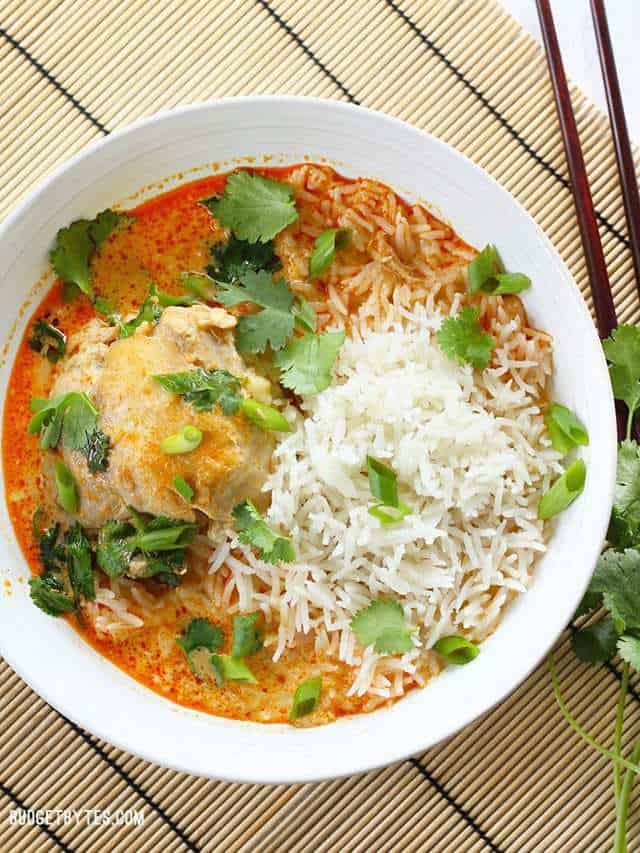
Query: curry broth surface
x,y
171,233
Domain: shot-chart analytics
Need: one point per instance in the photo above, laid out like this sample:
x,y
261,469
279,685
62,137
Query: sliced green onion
x,y
486,273
388,515
66,488
183,489
382,482
511,282
167,299
564,491
228,668
182,442
325,247
200,284
266,417
306,698
484,267
247,638
456,650
565,430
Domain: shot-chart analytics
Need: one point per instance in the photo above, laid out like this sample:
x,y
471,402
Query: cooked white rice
x,y
472,458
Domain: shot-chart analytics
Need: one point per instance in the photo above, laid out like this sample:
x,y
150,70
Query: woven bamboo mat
x,y
70,72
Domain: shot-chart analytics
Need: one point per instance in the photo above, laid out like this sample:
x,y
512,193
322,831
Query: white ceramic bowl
x,y
81,684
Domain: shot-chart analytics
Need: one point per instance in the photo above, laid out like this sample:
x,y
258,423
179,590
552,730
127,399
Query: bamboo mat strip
x,y
517,779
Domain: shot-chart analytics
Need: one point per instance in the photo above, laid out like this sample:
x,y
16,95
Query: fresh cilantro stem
x,y
622,809
575,725
617,740
630,422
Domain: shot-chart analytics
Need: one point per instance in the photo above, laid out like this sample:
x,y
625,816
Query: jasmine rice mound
x,y
472,458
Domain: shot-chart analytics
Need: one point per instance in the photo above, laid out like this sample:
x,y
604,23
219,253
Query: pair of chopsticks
x,y
605,311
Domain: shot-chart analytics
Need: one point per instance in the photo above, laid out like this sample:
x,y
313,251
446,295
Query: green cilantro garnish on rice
x,y
486,273
254,208
253,530
306,363
461,339
565,430
325,247
382,625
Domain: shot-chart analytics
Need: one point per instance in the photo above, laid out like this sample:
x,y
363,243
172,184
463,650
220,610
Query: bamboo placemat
x,y
72,71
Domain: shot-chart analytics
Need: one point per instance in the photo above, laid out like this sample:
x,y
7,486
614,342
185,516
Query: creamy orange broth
x,y
171,233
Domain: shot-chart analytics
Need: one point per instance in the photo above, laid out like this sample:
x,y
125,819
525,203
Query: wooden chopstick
x,y
603,305
626,166
589,234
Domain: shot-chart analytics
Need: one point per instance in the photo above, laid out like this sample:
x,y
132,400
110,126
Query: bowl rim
x,y
387,752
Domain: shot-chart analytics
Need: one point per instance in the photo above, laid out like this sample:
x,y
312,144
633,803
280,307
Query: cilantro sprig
x,y
253,530
487,273
254,208
204,388
461,339
75,245
68,577
306,363
232,258
382,625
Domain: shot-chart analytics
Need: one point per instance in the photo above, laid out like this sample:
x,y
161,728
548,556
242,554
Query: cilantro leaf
x,y
70,418
149,312
629,651
80,418
204,388
461,339
71,254
96,448
247,637
271,326
617,580
382,625
254,208
200,633
306,363
596,643
304,314
622,350
47,593
157,546
325,247
253,530
486,272
49,340
234,257
624,527
79,563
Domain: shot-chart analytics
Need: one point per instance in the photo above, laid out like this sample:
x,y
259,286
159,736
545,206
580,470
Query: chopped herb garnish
x,y
564,491
68,577
48,340
183,489
305,316
254,208
228,668
188,439
66,488
234,257
71,255
271,326
486,273
96,449
383,484
263,416
461,339
565,429
456,650
149,312
70,417
306,698
306,363
253,530
382,625
200,633
142,549
202,286
325,247
247,637
204,388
